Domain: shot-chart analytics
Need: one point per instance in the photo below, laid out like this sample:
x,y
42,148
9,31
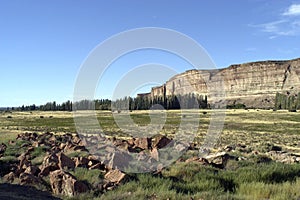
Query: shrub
x,y
236,106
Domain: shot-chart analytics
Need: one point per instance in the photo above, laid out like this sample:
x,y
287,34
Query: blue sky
x,y
43,43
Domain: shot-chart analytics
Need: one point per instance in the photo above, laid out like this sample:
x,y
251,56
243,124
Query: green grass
x,y
91,177
260,190
192,180
240,126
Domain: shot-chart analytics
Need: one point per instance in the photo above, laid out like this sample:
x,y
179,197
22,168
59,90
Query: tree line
x,y
188,101
101,104
287,101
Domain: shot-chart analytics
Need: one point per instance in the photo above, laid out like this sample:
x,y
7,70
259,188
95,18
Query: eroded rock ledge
x,y
254,84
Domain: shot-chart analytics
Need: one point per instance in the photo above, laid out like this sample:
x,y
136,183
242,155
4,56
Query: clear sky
x,y
43,43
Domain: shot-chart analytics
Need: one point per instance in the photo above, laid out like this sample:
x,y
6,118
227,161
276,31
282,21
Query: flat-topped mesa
x,y
254,84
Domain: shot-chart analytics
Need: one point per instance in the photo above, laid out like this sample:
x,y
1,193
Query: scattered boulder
x,y
33,170
10,177
64,183
29,179
68,146
115,176
118,159
24,162
284,157
76,140
228,148
65,162
142,143
200,160
79,148
219,159
50,163
160,141
98,166
154,154
81,162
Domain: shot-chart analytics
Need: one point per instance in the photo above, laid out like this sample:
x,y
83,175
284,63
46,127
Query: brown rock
x,y
24,162
62,146
65,162
76,139
155,154
64,183
98,166
68,146
79,148
50,163
119,160
131,142
114,176
219,160
10,177
81,161
34,170
198,160
121,144
35,144
160,141
143,143
29,179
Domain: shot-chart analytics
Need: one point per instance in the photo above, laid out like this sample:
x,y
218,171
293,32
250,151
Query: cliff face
x,y
253,84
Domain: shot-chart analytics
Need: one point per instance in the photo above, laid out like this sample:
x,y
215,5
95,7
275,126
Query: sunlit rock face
x,y
253,84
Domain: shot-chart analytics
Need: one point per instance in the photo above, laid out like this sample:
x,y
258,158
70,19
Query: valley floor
x,y
256,155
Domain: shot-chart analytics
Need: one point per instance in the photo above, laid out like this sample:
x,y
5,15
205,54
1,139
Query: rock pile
x,y
57,162
64,154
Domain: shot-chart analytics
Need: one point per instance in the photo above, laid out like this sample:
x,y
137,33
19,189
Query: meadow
x,y
256,176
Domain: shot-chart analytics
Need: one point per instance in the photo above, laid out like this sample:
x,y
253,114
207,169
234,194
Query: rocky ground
x,y
49,162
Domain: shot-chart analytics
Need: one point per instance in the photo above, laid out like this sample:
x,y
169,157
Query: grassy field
x,y
246,179
249,127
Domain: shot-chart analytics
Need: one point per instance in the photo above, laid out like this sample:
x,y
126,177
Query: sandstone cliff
x,y
254,84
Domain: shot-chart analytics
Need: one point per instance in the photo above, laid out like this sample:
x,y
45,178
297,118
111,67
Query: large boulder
x,y
24,162
50,163
64,183
33,170
118,159
10,177
81,161
154,154
142,143
65,162
29,179
219,159
197,159
115,176
160,141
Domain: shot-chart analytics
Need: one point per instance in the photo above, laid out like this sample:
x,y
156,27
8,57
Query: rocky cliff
x,y
254,84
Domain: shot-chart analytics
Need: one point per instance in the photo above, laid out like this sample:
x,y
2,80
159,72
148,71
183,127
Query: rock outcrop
x,y
254,84
64,183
